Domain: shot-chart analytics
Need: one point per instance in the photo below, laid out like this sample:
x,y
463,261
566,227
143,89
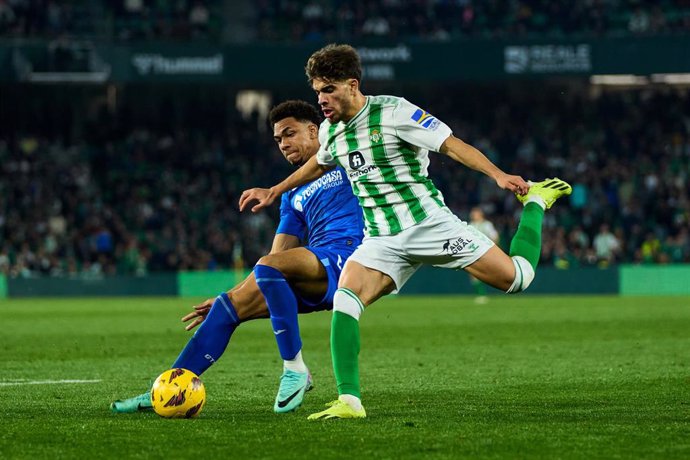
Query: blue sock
x,y
212,337
282,305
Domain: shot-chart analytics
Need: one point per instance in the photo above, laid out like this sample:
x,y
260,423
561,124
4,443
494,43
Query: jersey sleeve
x,y
323,156
418,127
291,223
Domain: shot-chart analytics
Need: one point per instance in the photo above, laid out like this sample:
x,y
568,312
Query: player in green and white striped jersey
x,y
383,143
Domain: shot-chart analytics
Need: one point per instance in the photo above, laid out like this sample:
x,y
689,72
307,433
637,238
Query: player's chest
x,y
354,149
318,193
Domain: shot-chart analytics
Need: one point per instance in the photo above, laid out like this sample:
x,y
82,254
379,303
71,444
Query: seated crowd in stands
x,y
151,201
119,19
336,20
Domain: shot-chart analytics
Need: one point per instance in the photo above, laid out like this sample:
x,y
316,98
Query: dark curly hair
x,y
334,63
299,110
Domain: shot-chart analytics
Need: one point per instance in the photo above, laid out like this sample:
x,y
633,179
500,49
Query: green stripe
x,y
373,191
372,225
354,296
388,172
415,171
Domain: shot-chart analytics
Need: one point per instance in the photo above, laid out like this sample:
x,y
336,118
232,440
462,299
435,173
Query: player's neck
x,y
360,101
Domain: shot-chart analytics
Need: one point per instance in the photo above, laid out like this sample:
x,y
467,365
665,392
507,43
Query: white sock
x,y
352,401
295,364
536,199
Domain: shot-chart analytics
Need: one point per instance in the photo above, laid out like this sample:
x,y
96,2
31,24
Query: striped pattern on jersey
x,y
388,175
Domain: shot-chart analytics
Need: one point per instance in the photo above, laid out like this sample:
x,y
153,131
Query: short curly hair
x,y
334,63
299,110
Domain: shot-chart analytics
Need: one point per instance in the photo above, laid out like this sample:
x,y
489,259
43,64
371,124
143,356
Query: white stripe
x,y
44,382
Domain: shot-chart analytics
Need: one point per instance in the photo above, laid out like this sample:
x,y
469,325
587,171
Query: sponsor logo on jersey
x,y
454,247
297,203
425,120
375,136
331,179
358,165
356,160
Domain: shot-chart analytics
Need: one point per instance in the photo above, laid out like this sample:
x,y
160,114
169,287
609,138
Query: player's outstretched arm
x,y
266,196
473,158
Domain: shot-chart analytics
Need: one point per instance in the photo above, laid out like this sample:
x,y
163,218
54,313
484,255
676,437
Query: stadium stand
x,y
155,199
116,193
279,20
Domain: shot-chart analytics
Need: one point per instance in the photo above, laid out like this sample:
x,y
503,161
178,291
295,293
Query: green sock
x,y
345,353
479,288
527,239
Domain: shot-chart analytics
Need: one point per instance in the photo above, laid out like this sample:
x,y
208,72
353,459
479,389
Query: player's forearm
x,y
469,156
309,171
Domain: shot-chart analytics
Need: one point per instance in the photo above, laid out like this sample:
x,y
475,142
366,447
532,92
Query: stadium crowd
x,y
318,20
334,20
142,200
120,19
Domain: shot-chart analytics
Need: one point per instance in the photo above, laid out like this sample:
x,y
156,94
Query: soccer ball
x,y
178,393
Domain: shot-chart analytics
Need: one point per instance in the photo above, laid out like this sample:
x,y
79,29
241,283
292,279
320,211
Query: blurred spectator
x,y
639,22
162,198
199,18
444,20
606,246
7,17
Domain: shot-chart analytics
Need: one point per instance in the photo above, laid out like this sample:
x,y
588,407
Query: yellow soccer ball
x,y
178,393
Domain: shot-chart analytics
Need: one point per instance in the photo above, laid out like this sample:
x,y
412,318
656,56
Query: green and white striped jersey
x,y
385,151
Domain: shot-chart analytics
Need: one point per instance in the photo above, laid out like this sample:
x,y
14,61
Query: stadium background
x,y
128,129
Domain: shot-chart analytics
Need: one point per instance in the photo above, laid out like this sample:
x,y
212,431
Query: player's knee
x,y
268,261
346,301
524,275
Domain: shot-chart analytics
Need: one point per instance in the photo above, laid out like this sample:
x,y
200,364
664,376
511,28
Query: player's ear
x,y
354,86
313,131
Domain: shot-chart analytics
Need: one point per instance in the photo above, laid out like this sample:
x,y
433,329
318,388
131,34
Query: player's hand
x,y
264,196
198,315
515,184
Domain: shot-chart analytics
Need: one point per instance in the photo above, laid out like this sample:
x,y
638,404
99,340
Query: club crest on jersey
x,y
375,136
425,119
356,160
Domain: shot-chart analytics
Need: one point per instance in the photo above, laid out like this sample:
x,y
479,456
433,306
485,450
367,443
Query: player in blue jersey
x,y
325,216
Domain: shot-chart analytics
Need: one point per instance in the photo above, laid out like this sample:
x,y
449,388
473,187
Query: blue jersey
x,y
323,212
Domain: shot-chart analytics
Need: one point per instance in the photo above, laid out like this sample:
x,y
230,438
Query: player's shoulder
x,y
324,129
386,100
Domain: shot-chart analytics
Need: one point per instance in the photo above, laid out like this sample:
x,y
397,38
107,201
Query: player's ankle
x,y
295,364
538,200
352,401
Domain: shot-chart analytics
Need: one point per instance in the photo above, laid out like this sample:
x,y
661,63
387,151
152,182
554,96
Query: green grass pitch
x,y
521,377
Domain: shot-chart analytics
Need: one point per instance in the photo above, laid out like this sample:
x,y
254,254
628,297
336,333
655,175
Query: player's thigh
x,y
495,268
248,300
369,284
302,269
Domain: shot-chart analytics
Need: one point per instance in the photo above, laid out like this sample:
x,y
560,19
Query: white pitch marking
x,y
44,382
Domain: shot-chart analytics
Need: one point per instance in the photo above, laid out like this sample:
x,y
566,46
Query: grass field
x,y
521,377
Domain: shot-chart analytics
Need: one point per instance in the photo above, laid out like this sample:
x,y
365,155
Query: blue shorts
x,y
333,259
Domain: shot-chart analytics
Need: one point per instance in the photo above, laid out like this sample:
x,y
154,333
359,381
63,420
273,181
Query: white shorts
x,y
441,240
